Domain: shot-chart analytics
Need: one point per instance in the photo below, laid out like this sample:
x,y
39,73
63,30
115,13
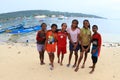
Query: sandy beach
x,y
21,62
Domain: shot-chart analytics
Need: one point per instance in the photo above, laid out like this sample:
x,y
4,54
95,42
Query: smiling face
x,y
86,24
44,27
54,28
94,28
64,26
74,23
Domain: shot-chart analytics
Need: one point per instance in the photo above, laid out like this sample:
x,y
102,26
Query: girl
x,y
50,43
41,42
61,43
73,36
85,38
96,46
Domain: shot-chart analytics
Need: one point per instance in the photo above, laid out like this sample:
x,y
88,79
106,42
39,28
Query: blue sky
x,y
105,8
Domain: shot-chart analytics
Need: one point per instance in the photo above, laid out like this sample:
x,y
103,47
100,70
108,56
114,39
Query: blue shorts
x,y
71,46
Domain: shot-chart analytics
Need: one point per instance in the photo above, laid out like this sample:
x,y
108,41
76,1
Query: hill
x,y
44,12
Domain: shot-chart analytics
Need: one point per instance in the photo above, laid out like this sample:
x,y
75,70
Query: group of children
x,y
79,39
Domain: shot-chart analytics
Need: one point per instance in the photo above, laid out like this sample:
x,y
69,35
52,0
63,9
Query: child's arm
x,y
37,38
46,40
69,37
89,42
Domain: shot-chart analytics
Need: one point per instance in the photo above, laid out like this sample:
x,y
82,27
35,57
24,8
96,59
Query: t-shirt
x,y
96,41
41,37
85,36
73,34
62,39
51,44
52,37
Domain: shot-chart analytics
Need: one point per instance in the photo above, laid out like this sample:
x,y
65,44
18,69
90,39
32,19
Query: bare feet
x,y
42,63
61,64
51,67
76,69
58,61
74,66
68,65
91,71
49,63
90,66
83,66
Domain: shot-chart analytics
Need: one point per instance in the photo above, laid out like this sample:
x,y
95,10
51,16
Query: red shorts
x,y
61,50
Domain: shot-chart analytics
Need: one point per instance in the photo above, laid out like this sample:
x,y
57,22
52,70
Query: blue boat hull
x,y
26,30
11,28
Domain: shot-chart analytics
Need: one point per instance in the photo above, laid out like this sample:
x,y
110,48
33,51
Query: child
x,y
61,43
96,46
73,36
41,42
85,40
50,43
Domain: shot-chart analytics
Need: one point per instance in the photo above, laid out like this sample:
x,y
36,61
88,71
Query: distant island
x,y
47,13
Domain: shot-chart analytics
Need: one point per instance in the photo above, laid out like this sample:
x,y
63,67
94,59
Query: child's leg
x,y
85,58
93,68
40,57
70,56
94,60
76,58
52,59
43,57
58,55
62,59
79,61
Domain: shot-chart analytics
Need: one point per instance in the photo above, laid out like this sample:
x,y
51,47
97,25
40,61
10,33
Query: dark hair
x,y
86,21
75,20
43,24
63,24
95,26
54,25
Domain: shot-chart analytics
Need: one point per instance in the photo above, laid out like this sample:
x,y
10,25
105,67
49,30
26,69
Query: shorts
x,y
71,46
51,48
85,48
40,47
61,50
94,59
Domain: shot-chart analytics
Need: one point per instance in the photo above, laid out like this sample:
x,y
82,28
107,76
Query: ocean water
x,y
108,28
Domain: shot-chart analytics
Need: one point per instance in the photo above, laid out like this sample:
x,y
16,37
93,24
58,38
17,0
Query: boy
x,y
96,45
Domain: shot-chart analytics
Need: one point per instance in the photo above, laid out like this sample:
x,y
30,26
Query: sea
x,y
108,28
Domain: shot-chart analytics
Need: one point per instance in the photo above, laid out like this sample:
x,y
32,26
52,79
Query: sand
x,y
21,62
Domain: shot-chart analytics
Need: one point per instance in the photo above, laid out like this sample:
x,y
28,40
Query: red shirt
x,y
96,38
41,37
62,39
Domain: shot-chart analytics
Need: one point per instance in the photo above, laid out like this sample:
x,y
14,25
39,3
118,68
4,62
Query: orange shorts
x,y
51,48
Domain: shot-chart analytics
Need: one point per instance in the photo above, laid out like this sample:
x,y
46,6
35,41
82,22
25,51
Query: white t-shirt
x,y
73,34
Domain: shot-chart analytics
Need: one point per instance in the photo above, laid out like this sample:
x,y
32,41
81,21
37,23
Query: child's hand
x,y
83,49
74,46
44,48
93,51
86,50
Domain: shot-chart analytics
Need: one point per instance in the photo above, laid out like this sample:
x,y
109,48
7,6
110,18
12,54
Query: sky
x,y
104,8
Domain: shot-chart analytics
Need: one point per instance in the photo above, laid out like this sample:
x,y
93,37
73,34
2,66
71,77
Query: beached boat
x,y
11,28
26,30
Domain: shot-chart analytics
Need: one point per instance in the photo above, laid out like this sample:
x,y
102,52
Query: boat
x,y
26,30
8,29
